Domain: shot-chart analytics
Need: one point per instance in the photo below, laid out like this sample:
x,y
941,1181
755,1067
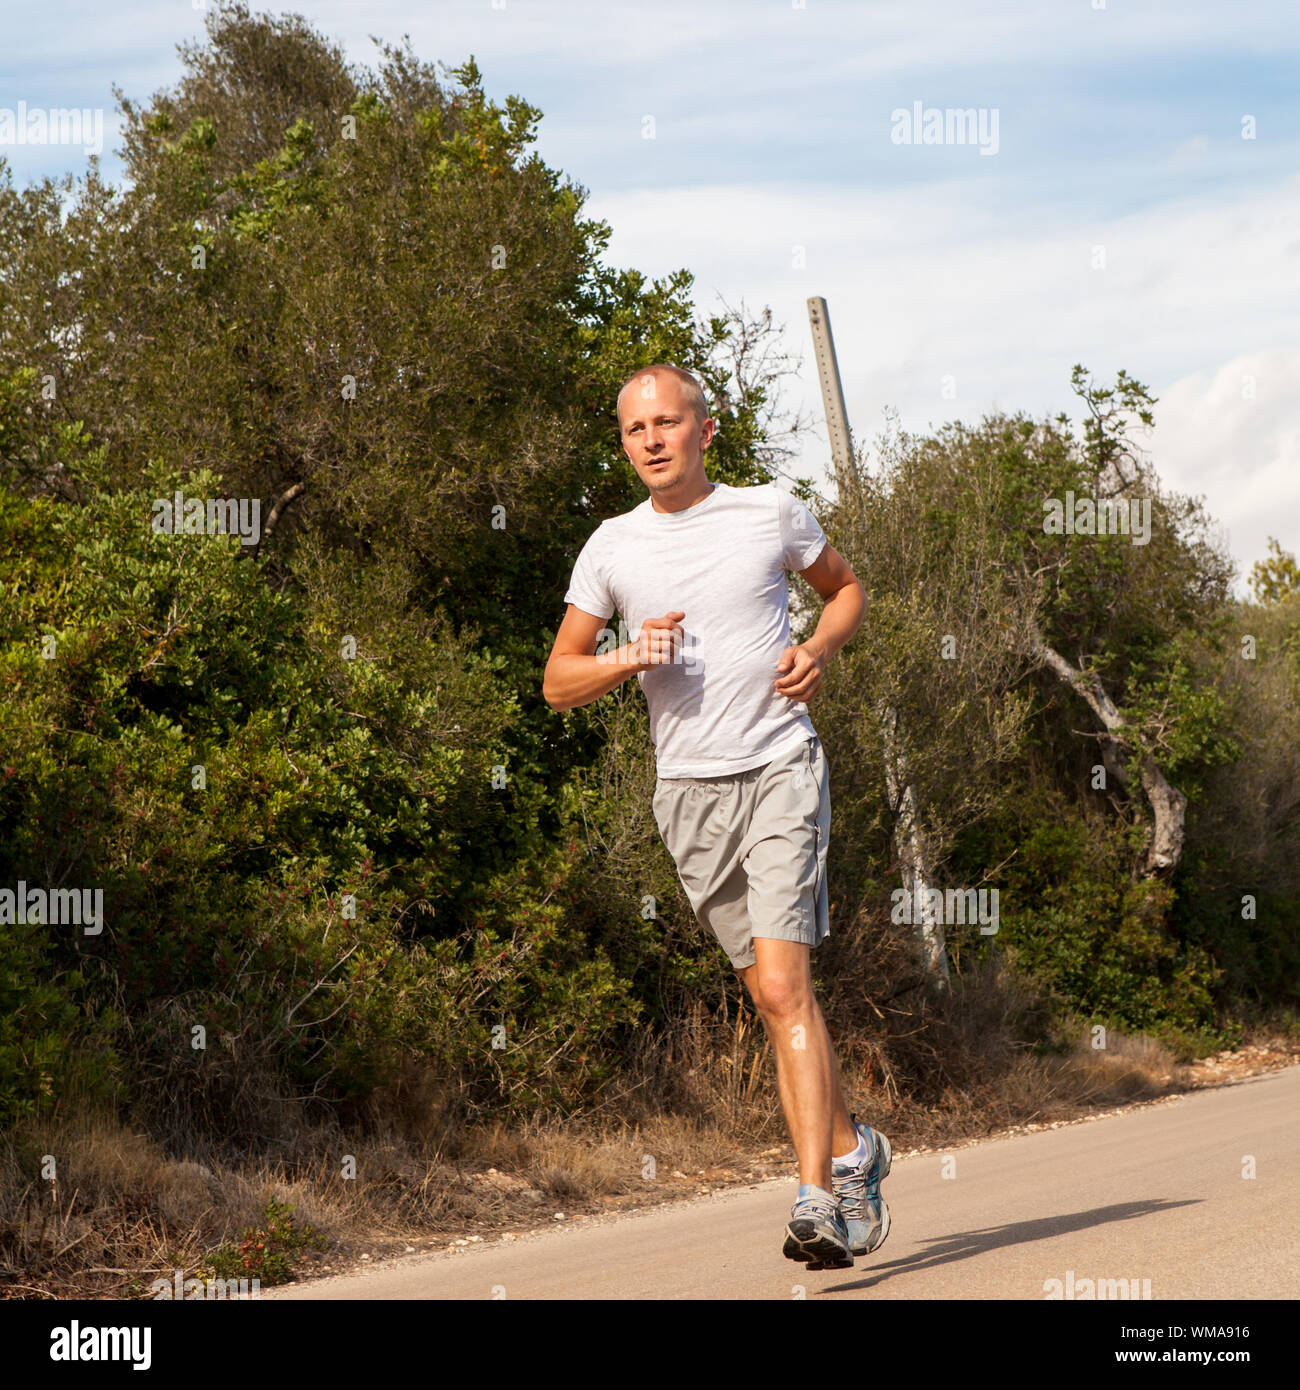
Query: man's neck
x,y
687,499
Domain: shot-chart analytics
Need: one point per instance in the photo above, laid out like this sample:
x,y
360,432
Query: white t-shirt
x,y
723,563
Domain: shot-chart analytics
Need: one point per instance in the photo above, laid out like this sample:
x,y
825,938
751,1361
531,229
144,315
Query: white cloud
x,y
1233,434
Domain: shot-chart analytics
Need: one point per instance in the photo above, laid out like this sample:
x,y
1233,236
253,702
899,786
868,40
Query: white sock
x,y
857,1157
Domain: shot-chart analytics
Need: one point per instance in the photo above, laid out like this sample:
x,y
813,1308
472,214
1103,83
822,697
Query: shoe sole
x,y
807,1245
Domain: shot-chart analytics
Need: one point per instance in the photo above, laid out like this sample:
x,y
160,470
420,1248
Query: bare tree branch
x,y
1168,804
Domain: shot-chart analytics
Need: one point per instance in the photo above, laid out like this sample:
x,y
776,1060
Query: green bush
x,y
264,1251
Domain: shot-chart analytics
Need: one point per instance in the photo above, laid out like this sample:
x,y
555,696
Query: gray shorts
x,y
750,848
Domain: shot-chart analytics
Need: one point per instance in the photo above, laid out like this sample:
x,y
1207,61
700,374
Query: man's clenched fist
x,y
659,643
803,668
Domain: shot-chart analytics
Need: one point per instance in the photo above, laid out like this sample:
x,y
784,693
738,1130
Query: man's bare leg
x,y
807,1072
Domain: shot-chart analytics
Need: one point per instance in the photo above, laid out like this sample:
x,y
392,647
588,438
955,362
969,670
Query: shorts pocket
x,y
804,776
661,805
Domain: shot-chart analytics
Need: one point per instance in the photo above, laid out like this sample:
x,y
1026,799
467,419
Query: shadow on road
x,y
969,1243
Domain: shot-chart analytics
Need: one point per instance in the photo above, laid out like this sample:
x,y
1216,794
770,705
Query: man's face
x,y
662,437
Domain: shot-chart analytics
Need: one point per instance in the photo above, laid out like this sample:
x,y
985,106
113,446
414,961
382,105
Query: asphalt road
x,y
1156,1193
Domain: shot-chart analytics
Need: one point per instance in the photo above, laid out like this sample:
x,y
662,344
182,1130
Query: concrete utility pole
x,y
828,373
909,840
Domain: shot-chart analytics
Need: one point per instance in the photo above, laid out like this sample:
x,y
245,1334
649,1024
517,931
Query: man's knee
x,y
779,994
748,976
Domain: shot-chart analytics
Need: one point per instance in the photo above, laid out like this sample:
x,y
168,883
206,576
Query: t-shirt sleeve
x,y
802,538
589,587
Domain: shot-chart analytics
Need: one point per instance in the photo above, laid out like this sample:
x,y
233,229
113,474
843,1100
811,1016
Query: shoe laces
x,y
856,1187
819,1203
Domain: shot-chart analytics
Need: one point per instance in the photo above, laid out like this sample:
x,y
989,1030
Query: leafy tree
x,y
1276,578
966,589
360,298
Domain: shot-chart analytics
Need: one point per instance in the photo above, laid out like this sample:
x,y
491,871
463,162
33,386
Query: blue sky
x,y
957,281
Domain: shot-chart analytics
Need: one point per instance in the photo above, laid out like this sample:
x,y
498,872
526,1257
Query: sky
x,y
1128,194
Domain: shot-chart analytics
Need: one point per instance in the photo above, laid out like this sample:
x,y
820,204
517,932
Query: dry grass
x,y
696,1108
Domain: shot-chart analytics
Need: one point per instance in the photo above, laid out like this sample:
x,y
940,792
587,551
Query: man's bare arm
x,y
845,603
576,676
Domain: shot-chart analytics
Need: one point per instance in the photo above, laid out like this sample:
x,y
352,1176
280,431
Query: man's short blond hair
x,y
694,392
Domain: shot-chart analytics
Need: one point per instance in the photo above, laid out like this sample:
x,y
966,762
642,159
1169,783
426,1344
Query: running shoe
x,y
865,1211
817,1235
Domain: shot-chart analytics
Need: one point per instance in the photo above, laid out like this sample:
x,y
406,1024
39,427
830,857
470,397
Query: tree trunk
x,y
1168,804
912,854
285,499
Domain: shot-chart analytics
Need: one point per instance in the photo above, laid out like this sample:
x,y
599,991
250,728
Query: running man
x,y
698,572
